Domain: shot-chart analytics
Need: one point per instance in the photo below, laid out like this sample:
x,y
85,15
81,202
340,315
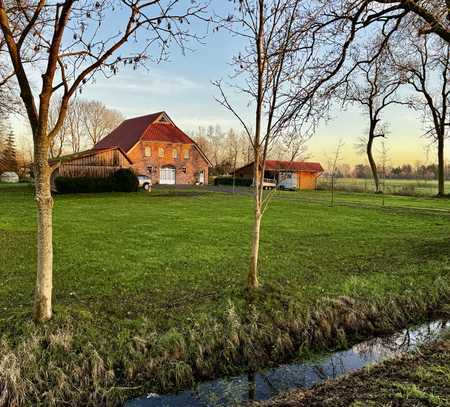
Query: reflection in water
x,y
266,384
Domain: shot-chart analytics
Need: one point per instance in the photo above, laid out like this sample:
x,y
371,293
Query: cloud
x,y
155,83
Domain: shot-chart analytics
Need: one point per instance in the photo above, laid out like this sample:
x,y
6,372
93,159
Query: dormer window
x,y
161,152
174,153
147,151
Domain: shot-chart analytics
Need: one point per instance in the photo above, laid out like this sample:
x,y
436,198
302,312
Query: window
x,y
183,170
148,152
150,170
174,153
161,152
186,154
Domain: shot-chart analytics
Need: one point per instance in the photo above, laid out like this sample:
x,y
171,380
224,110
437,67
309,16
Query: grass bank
x,y
421,378
148,288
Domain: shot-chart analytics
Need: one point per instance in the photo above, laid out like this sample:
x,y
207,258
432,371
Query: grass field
x,y
370,200
152,284
391,186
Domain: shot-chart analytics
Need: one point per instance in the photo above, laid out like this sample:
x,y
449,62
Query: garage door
x,y
167,176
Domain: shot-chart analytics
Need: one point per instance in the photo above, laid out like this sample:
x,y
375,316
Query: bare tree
x,y
61,138
333,164
384,160
373,86
234,148
293,144
72,43
434,15
425,65
266,67
338,28
86,123
98,120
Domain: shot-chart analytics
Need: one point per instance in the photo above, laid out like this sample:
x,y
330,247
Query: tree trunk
x,y
441,165
332,190
253,282
43,293
373,165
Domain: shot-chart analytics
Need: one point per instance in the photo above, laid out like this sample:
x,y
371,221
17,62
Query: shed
x,y
90,163
306,173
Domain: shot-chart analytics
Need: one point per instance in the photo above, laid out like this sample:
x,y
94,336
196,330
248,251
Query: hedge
x,y
240,182
122,180
125,181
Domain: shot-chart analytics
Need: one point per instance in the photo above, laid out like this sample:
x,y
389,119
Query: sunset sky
x,y
182,87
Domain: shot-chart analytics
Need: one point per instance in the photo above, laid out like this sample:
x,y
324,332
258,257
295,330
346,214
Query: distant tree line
x,y
86,123
232,149
419,171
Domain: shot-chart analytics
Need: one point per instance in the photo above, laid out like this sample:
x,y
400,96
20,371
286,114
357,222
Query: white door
x,y
167,176
201,177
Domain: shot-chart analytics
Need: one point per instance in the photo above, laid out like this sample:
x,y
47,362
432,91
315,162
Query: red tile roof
x,y
129,132
166,132
275,165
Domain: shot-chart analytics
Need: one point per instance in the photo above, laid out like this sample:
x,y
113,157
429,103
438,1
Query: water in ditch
x,y
265,384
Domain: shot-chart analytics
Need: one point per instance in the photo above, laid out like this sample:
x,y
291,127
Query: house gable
x,y
163,118
156,127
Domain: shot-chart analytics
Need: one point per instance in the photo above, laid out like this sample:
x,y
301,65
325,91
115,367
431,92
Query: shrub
x,y
123,180
240,182
74,185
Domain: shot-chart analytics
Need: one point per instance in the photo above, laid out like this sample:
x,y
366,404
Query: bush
x,y
74,185
123,180
240,182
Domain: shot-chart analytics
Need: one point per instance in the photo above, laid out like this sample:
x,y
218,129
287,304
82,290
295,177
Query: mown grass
x,y
421,378
371,199
395,186
149,287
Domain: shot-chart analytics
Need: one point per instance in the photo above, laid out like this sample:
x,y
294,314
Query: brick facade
x,y
187,167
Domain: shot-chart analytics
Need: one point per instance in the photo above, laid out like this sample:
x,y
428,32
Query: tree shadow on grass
x,y
437,250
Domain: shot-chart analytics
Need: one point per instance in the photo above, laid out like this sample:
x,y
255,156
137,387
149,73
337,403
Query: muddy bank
x,y
419,378
269,383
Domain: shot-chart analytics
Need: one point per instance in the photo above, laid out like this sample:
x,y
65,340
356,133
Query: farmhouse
x,y
305,174
152,145
158,148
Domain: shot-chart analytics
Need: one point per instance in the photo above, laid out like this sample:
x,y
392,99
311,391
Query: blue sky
x,y
182,87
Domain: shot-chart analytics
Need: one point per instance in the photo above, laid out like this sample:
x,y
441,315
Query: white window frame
x,y
161,152
147,151
186,154
175,154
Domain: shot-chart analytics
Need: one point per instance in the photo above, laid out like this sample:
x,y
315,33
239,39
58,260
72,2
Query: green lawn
x,y
371,200
172,265
396,186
